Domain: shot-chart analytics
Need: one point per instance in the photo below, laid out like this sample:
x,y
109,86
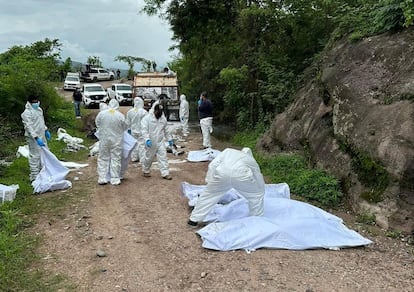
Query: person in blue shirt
x,y
205,114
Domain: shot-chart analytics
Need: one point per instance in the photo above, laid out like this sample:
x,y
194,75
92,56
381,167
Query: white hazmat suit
x,y
155,130
133,119
231,169
34,127
110,124
184,114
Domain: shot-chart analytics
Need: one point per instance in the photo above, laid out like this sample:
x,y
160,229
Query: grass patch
x,y
20,266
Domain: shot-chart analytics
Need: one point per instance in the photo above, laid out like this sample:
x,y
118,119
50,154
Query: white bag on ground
x,y
52,175
8,193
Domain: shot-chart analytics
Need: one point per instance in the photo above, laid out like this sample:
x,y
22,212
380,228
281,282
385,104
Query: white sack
x,y
8,193
128,145
202,155
72,143
24,151
52,175
286,223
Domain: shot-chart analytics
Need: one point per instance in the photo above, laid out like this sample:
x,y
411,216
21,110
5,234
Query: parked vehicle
x,y
152,86
92,74
122,92
93,94
71,82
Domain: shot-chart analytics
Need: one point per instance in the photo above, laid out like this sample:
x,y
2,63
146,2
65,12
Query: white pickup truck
x,y
97,74
121,92
93,94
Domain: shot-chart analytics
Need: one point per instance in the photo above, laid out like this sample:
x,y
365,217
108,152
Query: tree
x,y
27,70
130,60
94,61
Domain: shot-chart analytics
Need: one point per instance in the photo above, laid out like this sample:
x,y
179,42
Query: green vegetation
x,y
28,70
366,218
250,55
371,173
312,185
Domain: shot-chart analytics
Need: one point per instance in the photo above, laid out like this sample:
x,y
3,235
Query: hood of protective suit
x,y
248,151
113,104
138,103
182,97
103,106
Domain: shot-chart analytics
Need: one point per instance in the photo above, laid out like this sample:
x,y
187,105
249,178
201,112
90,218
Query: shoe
x,y
102,182
146,174
78,117
167,177
192,224
115,181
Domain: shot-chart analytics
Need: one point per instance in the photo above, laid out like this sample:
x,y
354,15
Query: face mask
x,y
35,105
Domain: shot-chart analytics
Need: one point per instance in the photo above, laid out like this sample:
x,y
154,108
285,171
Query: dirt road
x,y
140,226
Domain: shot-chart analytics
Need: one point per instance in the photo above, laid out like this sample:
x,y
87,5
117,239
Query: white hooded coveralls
x,y
155,130
231,169
34,126
133,119
110,124
184,114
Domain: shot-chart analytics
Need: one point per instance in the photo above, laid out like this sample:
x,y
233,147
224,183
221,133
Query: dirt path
x,y
140,225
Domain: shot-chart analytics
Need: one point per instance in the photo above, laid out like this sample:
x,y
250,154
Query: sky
x,y
102,28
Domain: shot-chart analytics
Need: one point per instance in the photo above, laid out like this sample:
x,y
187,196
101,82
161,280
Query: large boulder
x,y
355,118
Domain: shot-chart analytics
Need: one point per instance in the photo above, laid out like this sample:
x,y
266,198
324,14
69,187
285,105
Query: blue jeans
x,y
76,104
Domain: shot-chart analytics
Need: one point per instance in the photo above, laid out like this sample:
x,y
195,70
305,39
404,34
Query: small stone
x,y
100,253
203,274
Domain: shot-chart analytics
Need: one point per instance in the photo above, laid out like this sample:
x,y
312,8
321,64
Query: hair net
x,y
103,106
138,102
114,104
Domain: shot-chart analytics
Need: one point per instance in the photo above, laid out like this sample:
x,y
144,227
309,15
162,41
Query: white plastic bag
x,y
8,193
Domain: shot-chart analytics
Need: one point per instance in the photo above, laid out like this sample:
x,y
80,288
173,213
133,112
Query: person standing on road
x,y
154,131
77,99
184,114
205,114
36,133
133,119
231,169
110,124
118,74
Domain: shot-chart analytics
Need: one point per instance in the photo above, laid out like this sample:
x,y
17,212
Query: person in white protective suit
x,y
154,131
35,132
231,169
110,124
184,114
133,119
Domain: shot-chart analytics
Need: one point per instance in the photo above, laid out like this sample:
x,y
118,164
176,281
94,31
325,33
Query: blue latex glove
x,y
129,131
148,143
40,142
48,135
170,142
199,102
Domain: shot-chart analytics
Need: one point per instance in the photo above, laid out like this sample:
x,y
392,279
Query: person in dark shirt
x,y
77,99
205,114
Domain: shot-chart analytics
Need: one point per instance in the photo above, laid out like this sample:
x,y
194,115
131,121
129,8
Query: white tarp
x,y
52,175
286,224
202,155
24,151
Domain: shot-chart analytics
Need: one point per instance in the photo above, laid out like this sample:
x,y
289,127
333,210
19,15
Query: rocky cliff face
x,y
355,118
